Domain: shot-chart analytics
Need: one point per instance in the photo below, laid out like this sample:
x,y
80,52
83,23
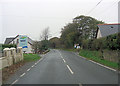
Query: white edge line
x,y
15,81
37,62
64,60
103,65
33,66
29,69
99,64
81,56
22,75
70,70
41,59
25,73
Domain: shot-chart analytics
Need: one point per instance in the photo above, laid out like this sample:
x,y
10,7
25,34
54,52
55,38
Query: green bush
x,y
8,46
110,42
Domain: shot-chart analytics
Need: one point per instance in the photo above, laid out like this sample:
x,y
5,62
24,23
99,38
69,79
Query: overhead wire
x,y
94,7
108,8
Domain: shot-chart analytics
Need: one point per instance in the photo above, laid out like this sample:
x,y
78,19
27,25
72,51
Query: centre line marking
x,y
70,70
22,75
60,54
64,60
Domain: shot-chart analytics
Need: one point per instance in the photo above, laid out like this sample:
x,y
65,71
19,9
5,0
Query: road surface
x,y
63,67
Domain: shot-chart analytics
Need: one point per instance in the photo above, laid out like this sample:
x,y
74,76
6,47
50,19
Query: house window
x,y
111,26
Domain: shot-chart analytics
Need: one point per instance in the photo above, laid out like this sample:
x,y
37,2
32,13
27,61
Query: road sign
x,y
23,41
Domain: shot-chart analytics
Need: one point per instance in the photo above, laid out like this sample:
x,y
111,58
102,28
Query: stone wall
x,y
11,56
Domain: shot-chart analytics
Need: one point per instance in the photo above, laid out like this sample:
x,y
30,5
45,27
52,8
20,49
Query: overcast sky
x,y
30,17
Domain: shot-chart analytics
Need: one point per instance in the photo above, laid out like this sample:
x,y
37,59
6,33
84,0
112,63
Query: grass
x,y
96,56
31,57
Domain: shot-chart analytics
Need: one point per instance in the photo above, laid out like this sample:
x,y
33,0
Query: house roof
x,y
108,29
110,24
8,40
30,41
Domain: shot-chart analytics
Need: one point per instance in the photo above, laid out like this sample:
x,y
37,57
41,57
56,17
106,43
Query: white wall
x,y
11,58
99,34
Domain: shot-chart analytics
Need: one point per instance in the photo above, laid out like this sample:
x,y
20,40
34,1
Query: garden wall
x,y
11,56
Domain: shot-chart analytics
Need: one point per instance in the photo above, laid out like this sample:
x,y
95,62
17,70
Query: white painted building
x,y
21,41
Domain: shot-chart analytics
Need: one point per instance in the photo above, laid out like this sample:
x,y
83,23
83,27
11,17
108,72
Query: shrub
x,y
8,46
110,42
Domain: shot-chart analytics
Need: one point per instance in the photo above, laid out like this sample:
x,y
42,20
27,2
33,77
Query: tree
x,y
69,35
88,26
55,42
82,28
45,34
36,46
44,43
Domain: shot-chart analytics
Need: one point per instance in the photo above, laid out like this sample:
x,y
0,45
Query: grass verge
x,y
96,56
73,50
31,57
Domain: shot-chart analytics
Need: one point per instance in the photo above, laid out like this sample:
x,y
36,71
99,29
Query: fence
x,y
11,56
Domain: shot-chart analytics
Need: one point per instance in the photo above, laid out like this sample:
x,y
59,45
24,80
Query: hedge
x,y
110,42
8,46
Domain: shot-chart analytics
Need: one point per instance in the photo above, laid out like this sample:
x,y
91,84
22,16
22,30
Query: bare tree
x,y
36,46
45,34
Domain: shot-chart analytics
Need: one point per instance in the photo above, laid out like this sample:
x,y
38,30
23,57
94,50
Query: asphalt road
x,y
63,67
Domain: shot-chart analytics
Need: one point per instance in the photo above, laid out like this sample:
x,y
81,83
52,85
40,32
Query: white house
x,y
107,29
21,41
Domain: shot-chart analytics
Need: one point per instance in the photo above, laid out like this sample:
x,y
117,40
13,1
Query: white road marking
x,y
64,60
25,73
29,69
60,55
37,62
98,63
80,56
103,65
33,65
15,81
70,69
40,59
67,65
22,75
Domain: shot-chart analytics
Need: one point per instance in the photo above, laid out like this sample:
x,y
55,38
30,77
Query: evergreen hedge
x,y
8,46
110,42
